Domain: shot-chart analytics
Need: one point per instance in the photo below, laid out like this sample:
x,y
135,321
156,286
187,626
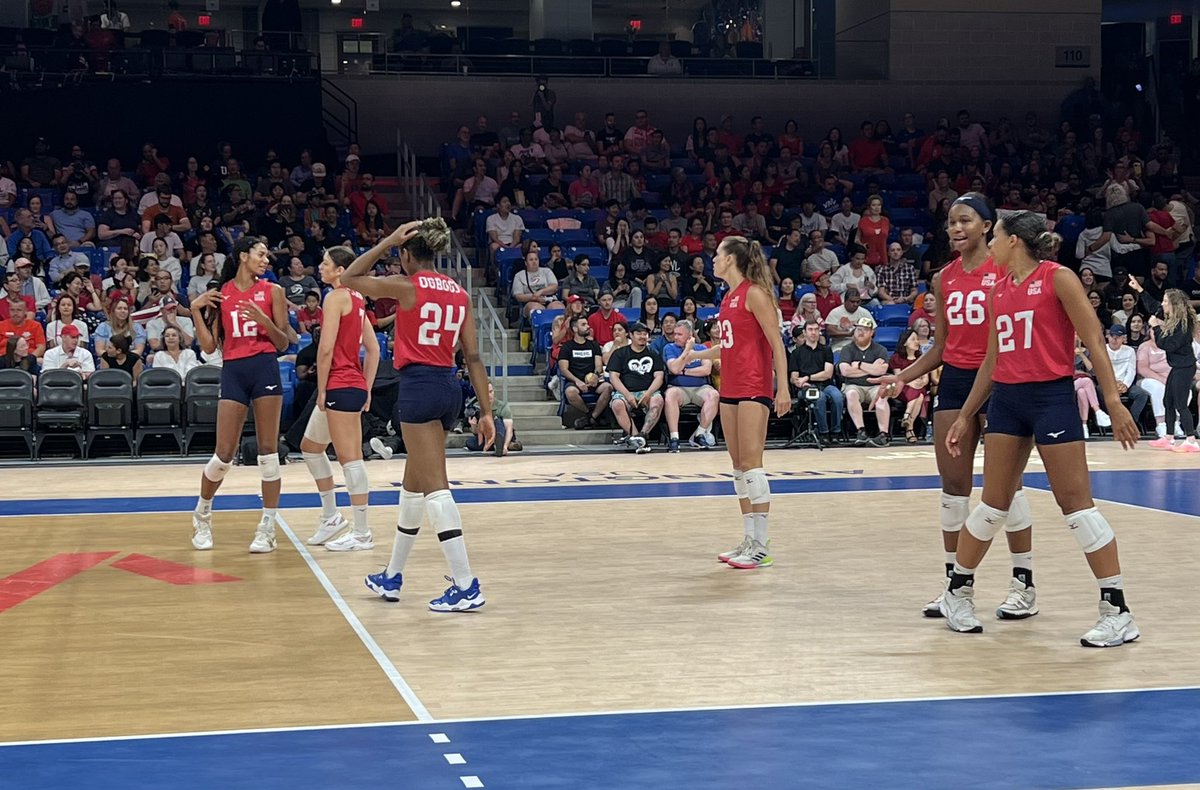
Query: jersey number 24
x,y
436,319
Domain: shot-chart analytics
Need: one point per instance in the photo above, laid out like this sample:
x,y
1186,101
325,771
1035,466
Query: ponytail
x,y
751,262
1048,245
1030,228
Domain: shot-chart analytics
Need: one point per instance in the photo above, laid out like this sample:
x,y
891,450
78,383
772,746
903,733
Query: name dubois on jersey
x,y
438,284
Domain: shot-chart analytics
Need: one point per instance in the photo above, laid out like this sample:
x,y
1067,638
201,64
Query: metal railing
x,y
581,66
493,343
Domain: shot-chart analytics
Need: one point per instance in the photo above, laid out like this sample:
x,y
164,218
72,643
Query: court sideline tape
x,y
418,708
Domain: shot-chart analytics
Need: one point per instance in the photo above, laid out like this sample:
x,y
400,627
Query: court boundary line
x,y
596,714
389,669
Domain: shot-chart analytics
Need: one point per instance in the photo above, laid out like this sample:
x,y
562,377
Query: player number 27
x,y
436,319
1006,329
726,334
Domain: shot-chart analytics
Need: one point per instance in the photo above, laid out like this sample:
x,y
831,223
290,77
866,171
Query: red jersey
x,y
747,365
964,300
244,338
873,234
346,368
428,333
1037,338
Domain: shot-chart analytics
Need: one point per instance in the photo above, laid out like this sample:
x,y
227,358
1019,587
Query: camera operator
x,y
810,372
543,102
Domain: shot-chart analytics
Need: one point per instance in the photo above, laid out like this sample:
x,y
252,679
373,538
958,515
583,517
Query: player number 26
x,y
965,308
436,319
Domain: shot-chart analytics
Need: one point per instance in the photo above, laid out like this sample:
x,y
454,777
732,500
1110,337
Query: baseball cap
x,y
817,277
83,263
1116,329
167,302
22,263
573,298
69,330
318,170
866,322
638,326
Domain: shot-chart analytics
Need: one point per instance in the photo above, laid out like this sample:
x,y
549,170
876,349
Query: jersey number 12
x,y
435,319
246,328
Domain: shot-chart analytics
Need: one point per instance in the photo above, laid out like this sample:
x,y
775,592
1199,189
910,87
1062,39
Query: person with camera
x,y
543,102
581,364
810,372
506,434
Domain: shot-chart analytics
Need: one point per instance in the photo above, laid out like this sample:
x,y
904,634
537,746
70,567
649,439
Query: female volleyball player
x,y
344,382
249,322
960,344
751,353
1173,334
433,318
1035,311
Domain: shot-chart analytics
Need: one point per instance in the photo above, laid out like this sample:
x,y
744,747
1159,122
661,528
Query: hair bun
x,y
436,234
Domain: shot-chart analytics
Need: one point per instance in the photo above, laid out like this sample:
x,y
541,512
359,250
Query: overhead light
x,y
455,3
336,2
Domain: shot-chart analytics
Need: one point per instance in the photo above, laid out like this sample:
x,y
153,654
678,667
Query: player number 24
x,y
436,319
1006,329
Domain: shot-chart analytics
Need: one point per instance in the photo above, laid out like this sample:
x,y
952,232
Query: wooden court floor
x,y
600,598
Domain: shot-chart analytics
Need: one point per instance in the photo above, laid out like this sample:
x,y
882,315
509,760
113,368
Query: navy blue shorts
x,y
346,399
248,379
426,394
1045,410
953,388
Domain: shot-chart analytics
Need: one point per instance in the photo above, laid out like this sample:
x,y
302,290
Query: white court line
x,y
389,669
591,714
471,781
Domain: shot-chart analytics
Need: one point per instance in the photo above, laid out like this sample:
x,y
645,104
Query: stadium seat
x,y
61,410
109,408
159,407
201,391
892,315
888,336
16,407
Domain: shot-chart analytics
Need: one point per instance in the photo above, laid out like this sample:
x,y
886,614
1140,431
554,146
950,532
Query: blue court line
x,y
1150,488
1044,741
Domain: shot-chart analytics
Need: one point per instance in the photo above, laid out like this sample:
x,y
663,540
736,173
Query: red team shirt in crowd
x,y
747,364
428,334
245,338
1036,336
965,297
346,369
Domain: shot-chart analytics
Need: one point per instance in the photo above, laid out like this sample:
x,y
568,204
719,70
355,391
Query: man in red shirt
x,y
603,320
20,324
827,299
1162,225
365,194
868,155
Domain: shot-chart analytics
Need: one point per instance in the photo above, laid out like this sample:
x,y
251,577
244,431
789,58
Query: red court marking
x,y
23,585
170,572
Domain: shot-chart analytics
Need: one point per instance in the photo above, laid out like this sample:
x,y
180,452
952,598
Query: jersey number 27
x,y
436,319
1006,328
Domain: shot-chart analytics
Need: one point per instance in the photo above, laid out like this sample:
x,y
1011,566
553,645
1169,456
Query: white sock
x,y
760,527
412,513
1160,429
1110,582
674,434
950,557
203,506
748,525
328,503
445,518
1085,431
269,512
1023,560
360,520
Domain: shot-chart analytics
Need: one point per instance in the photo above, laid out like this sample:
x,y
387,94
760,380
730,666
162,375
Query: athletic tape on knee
x,y
412,511
443,515
1020,517
268,467
954,512
1091,529
739,485
318,465
317,430
355,473
215,469
757,487
985,522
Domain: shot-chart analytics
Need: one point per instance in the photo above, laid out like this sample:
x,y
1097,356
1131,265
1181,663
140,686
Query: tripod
x,y
804,425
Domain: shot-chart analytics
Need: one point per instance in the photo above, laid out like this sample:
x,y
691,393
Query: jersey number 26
x,y
965,308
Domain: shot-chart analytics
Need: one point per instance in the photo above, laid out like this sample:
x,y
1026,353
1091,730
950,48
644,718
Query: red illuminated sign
x,y
1175,19
204,20
356,22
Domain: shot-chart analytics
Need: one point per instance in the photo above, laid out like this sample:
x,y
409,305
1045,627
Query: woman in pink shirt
x,y
584,191
1152,371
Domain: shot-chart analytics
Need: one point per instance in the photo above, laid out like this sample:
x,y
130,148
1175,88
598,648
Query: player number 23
x,y
726,334
1007,328
435,319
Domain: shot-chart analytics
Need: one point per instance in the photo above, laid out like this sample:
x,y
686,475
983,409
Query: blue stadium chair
x,y
892,315
921,250
630,313
1069,227
805,289
384,351
668,310
600,272
98,258
543,236
541,324
705,313
922,287
288,378
596,254
575,238
888,336
532,217
305,340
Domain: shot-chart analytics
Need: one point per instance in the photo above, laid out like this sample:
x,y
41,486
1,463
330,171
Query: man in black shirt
x,y
811,365
829,199
778,221
637,375
858,363
581,363
609,137
787,260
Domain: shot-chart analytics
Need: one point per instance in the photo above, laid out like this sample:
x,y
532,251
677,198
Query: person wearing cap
x,y
318,190
827,299
169,318
859,362
69,354
637,375
64,259
603,320
20,324
31,286
1124,362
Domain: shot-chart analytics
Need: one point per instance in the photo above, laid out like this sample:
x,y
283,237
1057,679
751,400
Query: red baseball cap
x,y
817,276
70,330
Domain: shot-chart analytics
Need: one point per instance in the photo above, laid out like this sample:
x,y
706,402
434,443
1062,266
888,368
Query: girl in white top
x,y
206,271
173,357
1096,246
845,222
64,311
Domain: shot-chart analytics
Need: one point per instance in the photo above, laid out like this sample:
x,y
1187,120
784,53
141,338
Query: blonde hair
x,y
432,239
1183,315
750,261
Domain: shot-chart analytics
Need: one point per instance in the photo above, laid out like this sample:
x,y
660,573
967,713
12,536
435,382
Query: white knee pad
x,y
757,487
317,430
1091,530
954,511
739,485
412,510
355,473
985,522
318,465
1020,517
444,515
268,467
215,469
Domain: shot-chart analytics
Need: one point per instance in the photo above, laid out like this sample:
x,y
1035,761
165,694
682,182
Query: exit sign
x,y
1175,19
356,22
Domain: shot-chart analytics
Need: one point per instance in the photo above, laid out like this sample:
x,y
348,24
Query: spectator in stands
x,y
604,320
1153,369
651,317
118,222
41,170
151,164
359,198
638,136
637,376
66,312
21,324
8,188
119,356
897,280
296,284
617,184
1162,228
79,286
479,191
806,310
333,230
115,181
24,229
12,294
535,287
1129,306
971,134
866,154
856,274
64,259
873,231
688,385
169,318
840,322
25,249
504,228
750,223
31,285
373,227
663,284
120,325
698,284
1125,367
827,298
915,394
818,257
664,64
1185,240
69,354
77,225
584,192
275,177
529,153
1156,284
581,283
174,355
811,365
311,314
1127,222
162,231
860,361
845,223
17,356
620,285
234,180
580,363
